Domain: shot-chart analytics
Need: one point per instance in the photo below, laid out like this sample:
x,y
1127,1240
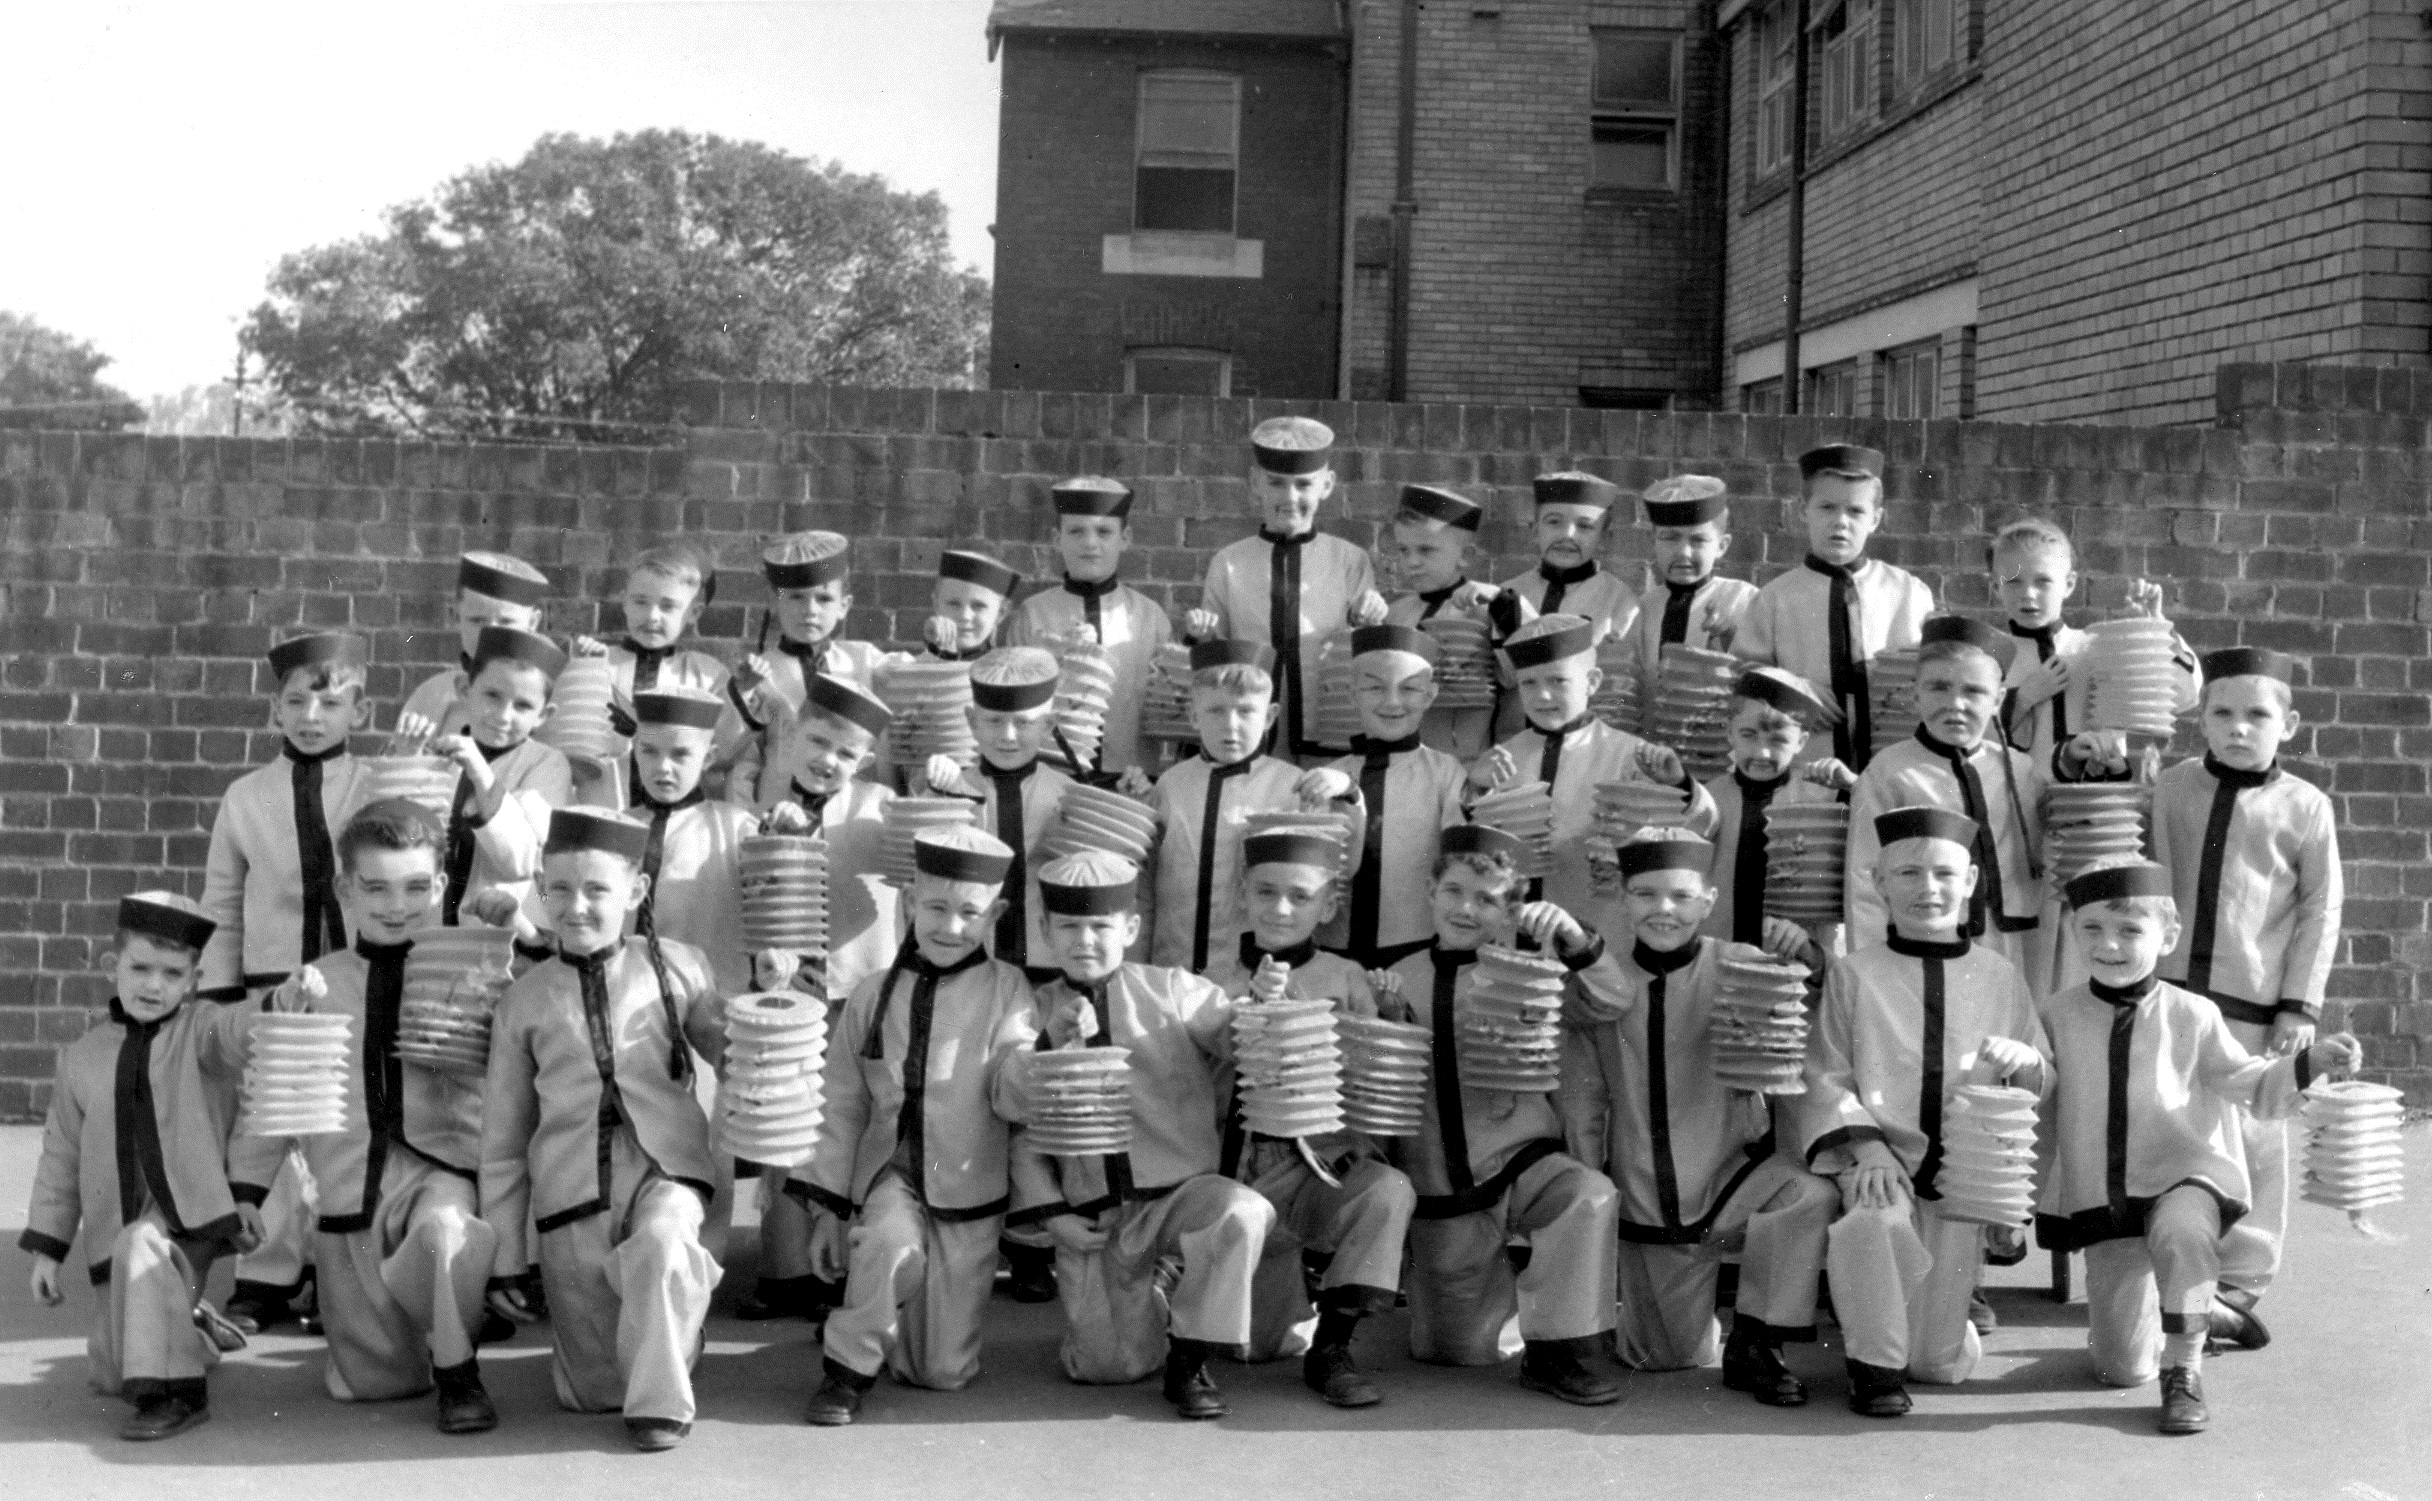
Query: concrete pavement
x,y
2338,1408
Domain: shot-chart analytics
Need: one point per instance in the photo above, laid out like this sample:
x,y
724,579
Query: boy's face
x,y
2247,720
1394,691
972,608
1568,535
1842,513
315,720
1430,555
1956,697
812,614
1687,554
951,918
1555,693
1287,503
510,699
671,758
826,751
154,978
1472,907
1090,948
2034,582
1230,723
1011,738
2123,943
658,608
1926,883
588,894
392,894
1091,546
1764,741
475,611
1666,907
1287,903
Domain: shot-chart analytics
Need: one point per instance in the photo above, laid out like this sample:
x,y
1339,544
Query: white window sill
x,y
1154,254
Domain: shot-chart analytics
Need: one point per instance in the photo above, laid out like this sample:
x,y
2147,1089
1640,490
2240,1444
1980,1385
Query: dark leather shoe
x,y
656,1435
2183,1402
1754,1365
1877,1391
1030,1274
1558,1368
464,1403
2234,1328
1187,1382
160,1417
838,1400
1329,1371
1981,1314
496,1328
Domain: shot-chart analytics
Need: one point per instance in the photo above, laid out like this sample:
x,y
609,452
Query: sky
x,y
164,156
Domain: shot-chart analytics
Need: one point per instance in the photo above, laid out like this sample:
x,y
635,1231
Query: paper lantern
x,y
2089,821
453,979
930,700
1465,663
1165,701
1081,1101
1524,810
1334,707
2353,1160
1288,1068
772,1095
1090,818
2134,684
1615,700
1508,1022
904,818
1891,695
1988,1155
427,780
784,883
295,1081
1691,711
1806,861
1085,687
579,725
1757,1030
1385,1067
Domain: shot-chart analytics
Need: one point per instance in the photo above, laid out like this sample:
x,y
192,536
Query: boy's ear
x,y
1975,874
1722,544
1131,928
1327,904
1274,709
547,712
641,887
362,717
1595,676
1325,482
2288,725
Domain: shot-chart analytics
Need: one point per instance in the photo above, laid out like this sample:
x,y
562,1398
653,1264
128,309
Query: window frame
x,y
1845,374
1901,365
1914,57
1148,79
1637,114
1850,96
1776,42
1222,359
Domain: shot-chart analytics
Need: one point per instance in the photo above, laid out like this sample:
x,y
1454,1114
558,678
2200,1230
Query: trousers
x,y
1780,1214
1363,1225
917,1291
1901,1281
2141,1288
1116,1314
628,1293
405,1293
143,1320
1463,1289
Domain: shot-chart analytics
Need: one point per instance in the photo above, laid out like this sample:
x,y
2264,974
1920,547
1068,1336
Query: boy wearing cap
x,y
270,884
1772,714
1825,621
492,589
1355,1210
1902,1022
1570,750
2045,694
1410,793
1955,761
809,598
2146,1123
1093,530
693,861
1289,587
132,1151
1202,804
1688,604
1693,1158
401,1251
592,1137
1568,527
1433,533
666,588
967,605
509,781
1491,1165
2253,854
1115,1218
912,1150
1012,689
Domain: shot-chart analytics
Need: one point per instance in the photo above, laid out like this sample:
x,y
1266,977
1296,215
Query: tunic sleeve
x,y
1207,1015
510,1111
1832,1120
829,1171
2306,967
1016,1038
54,1209
223,901
1754,640
2267,1087
1861,904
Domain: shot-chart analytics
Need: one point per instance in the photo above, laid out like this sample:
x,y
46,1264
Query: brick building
x,y
2071,210
1514,202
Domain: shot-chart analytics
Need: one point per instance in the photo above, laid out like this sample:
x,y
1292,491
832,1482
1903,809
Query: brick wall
x,y
142,578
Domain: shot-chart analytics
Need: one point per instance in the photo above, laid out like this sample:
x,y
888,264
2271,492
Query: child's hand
x,y
1201,624
942,634
1556,931
1877,1182
943,774
831,1245
786,818
751,672
2044,680
1661,764
494,908
1075,1233
2337,1056
1321,785
1999,1058
509,1301
1368,609
302,991
1829,772
249,1231
589,646
773,969
2098,752
414,728
1494,769
45,1281
468,758
2145,598
1272,980
1474,597
1719,627
2292,1031
1784,939
1072,1027
1134,782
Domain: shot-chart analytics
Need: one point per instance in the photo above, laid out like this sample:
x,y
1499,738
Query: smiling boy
x,y
1410,793
508,782
492,590
1093,531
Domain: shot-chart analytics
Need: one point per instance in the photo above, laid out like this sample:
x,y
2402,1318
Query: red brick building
x,y
2071,210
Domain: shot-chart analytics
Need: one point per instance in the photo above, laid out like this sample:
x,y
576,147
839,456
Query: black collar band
x,y
1665,961
1578,573
288,749
2233,777
1918,948
2124,995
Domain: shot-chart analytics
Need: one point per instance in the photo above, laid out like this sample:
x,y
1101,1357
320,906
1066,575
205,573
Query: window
x,y
1177,372
1776,58
1912,378
1625,398
1847,40
1635,110
1923,38
1188,154
1832,391
1763,399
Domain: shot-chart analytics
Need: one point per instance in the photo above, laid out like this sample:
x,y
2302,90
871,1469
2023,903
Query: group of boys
x,y
580,1180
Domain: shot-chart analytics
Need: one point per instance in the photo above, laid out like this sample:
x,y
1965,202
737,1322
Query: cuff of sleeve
x,y
2305,1069
1586,957
734,695
43,1245
1037,1214
1844,1138
812,1194
256,1194
223,994
534,951
2299,1008
502,1284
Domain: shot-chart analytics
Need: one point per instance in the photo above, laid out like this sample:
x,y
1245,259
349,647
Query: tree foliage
x,y
50,379
576,286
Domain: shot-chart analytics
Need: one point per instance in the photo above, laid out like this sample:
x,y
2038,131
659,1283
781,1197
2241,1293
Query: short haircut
x,y
1946,651
548,679
324,677
1494,867
1769,715
2164,908
2028,534
680,562
1233,677
1408,517
391,824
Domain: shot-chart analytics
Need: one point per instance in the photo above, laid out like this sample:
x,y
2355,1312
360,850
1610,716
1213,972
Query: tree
x,y
572,289
50,379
